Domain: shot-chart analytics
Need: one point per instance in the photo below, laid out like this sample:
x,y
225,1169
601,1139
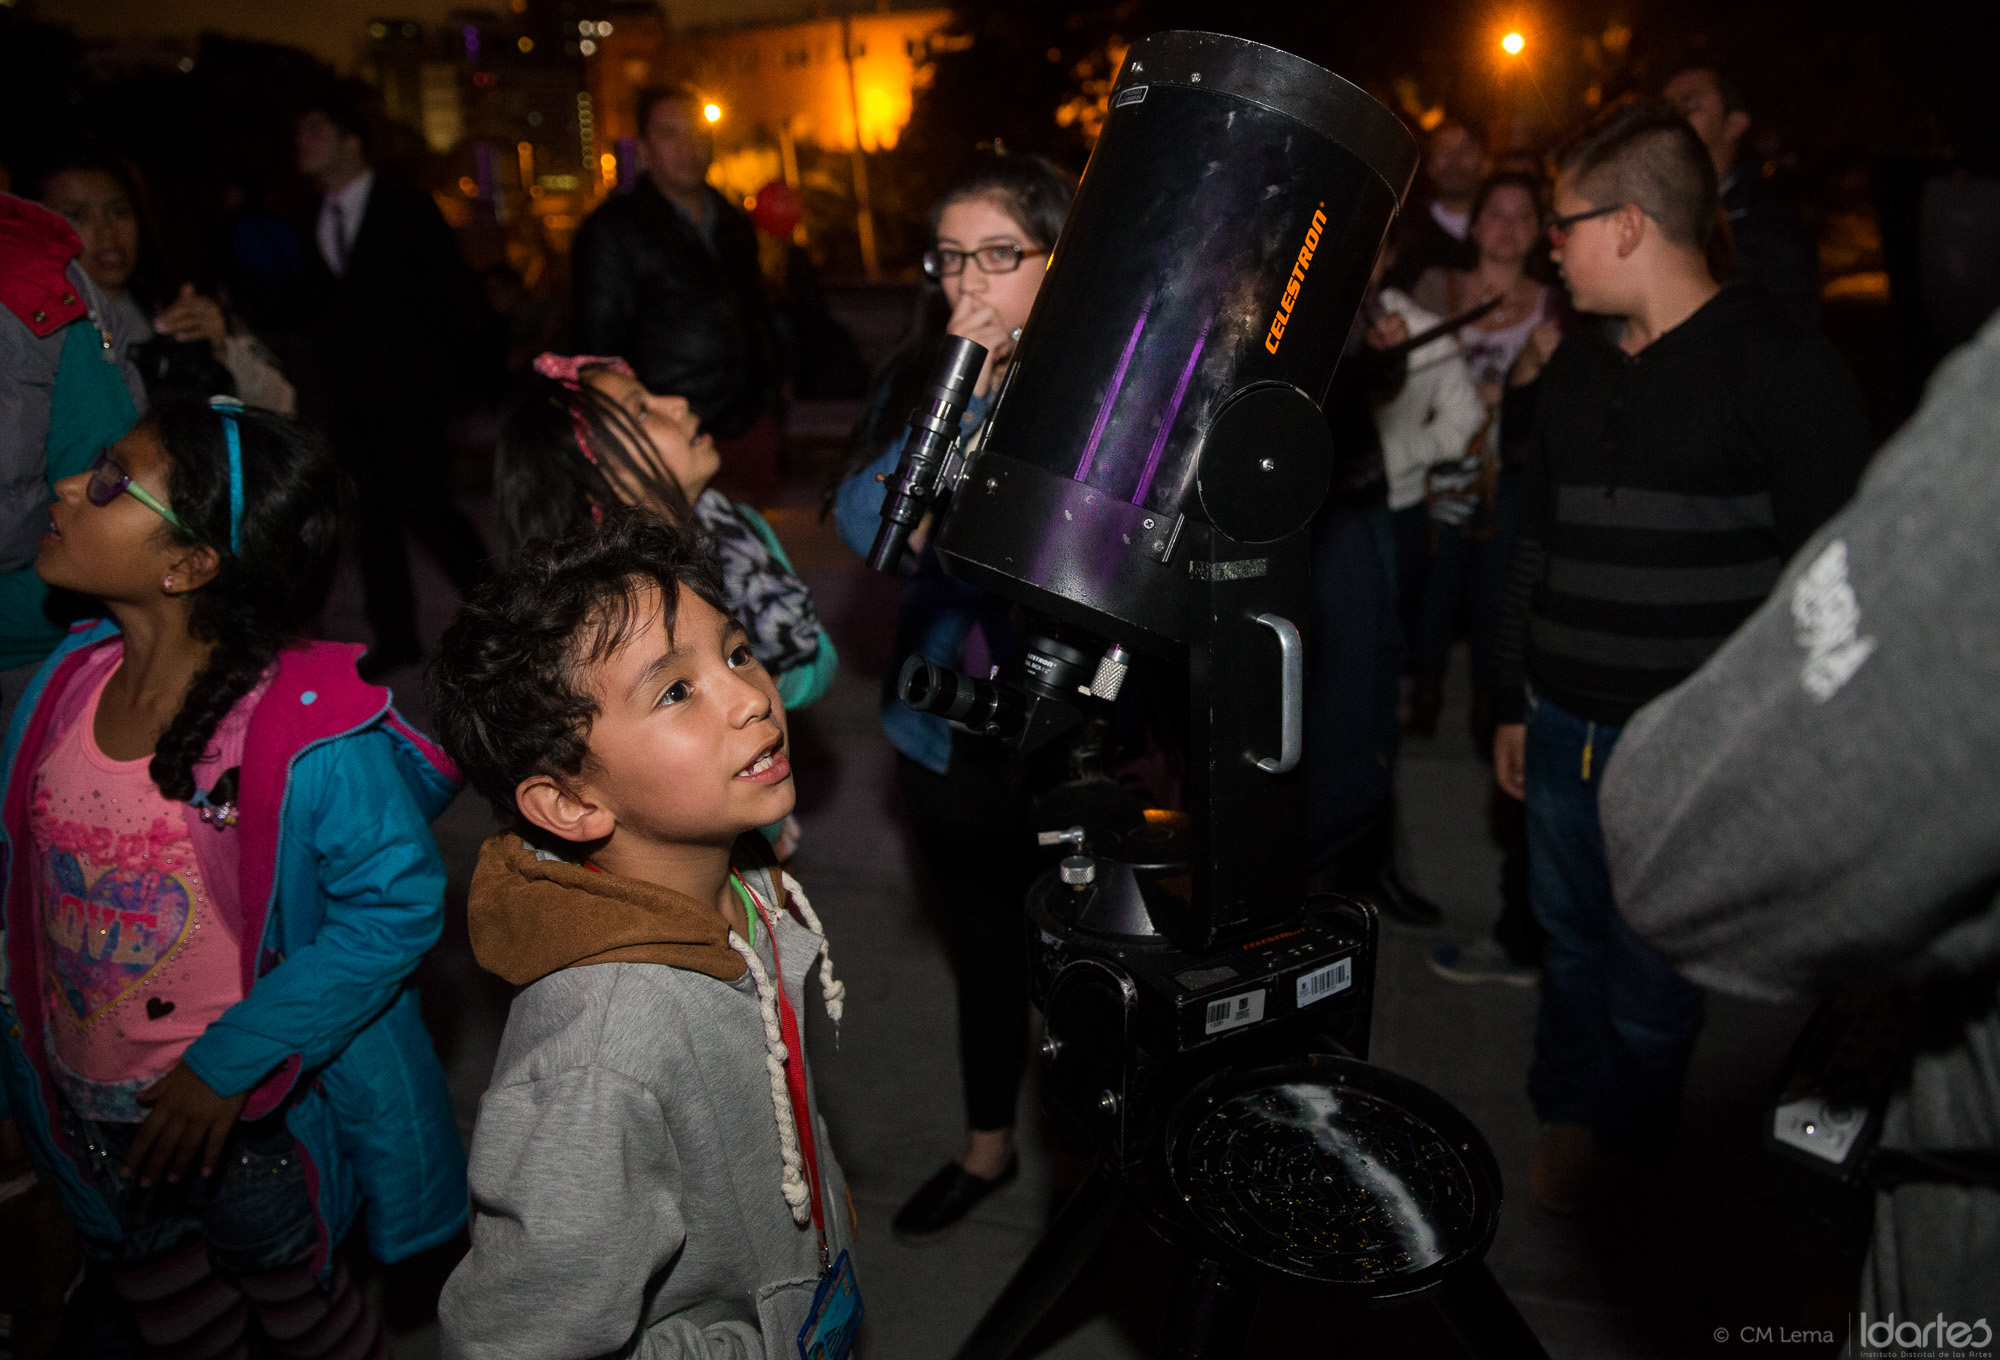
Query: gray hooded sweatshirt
x,y
627,1169
1818,808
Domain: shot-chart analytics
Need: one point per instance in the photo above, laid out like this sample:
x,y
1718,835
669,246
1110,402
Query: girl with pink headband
x,y
586,435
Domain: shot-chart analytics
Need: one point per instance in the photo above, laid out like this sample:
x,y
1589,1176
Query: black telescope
x,y
1148,476
1164,404
1143,491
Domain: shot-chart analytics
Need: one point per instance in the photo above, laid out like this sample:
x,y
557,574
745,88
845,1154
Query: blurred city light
x,y
1513,43
712,112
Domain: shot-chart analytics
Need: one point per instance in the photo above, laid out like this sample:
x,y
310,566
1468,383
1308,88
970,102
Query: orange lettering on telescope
x,y
1282,317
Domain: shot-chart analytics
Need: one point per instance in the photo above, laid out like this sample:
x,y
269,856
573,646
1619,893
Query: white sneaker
x,y
1481,961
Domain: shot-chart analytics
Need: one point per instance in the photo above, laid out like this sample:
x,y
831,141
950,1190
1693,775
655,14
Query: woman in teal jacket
x,y
283,895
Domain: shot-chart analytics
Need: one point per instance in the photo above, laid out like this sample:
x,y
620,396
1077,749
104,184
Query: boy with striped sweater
x,y
1681,452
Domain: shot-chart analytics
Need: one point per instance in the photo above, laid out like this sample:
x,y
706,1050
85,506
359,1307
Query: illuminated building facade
x,y
531,105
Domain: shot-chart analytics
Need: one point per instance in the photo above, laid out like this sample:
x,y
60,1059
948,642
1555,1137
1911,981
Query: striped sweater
x,y
1665,491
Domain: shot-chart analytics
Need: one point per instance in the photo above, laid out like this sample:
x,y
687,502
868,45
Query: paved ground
x,y
1674,1257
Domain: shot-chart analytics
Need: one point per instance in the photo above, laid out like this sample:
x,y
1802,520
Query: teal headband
x,y
227,407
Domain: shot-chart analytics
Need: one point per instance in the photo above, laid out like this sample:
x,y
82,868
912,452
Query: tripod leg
x,y
1485,1320
1067,1245
1209,1311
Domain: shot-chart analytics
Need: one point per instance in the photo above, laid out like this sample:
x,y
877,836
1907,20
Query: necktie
x,y
339,238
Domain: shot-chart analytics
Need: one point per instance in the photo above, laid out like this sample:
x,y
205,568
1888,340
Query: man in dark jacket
x,y
1435,230
1678,458
1773,248
396,313
666,277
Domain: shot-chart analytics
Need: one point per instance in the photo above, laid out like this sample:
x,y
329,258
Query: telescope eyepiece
x,y
933,428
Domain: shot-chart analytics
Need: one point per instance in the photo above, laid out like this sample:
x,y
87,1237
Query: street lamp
x,y
1512,44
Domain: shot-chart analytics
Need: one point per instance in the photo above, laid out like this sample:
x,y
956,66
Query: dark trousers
x,y
1617,1024
255,1213
1411,528
972,827
402,481
1467,577
198,1261
1354,654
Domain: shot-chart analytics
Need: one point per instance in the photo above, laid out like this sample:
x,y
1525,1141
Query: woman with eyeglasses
x,y
966,798
222,877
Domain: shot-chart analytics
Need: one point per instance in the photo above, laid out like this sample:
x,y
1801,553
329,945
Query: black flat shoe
x,y
944,1199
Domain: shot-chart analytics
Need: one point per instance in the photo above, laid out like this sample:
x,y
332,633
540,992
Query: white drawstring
x,y
797,1193
832,989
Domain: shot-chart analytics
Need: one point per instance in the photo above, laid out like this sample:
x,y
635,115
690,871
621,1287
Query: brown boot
x,y
1563,1175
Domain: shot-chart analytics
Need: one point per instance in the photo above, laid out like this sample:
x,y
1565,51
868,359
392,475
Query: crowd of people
x,y
1623,467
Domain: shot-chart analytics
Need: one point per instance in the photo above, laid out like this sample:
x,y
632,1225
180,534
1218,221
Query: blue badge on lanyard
x,y
835,1315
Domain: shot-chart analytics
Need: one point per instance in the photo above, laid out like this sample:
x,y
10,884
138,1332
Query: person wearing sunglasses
x,y
1681,451
224,875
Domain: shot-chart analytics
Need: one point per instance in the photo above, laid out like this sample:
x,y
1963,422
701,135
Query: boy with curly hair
x,y
650,1175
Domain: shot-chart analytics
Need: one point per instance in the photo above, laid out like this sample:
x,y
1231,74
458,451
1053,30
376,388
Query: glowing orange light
x,y
712,112
1513,43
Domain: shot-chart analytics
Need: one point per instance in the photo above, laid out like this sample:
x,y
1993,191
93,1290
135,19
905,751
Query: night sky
x,y
331,29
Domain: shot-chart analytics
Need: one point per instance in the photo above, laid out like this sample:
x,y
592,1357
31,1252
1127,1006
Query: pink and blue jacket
x,y
340,891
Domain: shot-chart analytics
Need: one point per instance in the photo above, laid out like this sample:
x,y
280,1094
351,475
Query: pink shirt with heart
x,y
138,962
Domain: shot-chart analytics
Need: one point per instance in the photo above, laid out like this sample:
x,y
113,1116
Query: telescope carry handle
x,y
1291,696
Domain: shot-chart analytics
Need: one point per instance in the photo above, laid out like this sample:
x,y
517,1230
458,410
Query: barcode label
x,y
1233,1012
1322,983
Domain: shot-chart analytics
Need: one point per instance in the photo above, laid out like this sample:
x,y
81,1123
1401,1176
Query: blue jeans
x,y
1616,1023
1468,576
254,1214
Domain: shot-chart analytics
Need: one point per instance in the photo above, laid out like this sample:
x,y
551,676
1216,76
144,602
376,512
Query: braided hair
x,y
548,483
265,595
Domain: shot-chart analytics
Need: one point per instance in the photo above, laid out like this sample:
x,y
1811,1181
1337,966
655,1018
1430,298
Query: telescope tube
x,y
1194,309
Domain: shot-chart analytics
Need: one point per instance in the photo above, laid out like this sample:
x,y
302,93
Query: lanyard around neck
x,y
795,1067
751,910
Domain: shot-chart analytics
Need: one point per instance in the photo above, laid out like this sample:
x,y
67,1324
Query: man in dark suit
x,y
666,277
1774,249
396,309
